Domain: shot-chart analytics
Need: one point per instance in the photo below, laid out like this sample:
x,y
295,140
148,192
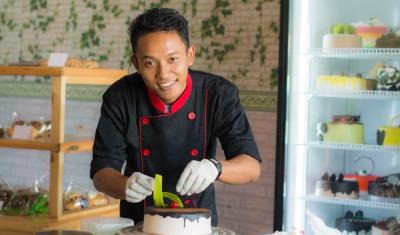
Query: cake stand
x,y
137,230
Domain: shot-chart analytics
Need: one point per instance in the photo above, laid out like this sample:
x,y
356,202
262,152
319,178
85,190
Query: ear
x,y
191,53
135,61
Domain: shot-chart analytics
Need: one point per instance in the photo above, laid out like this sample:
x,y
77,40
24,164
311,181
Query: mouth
x,y
166,85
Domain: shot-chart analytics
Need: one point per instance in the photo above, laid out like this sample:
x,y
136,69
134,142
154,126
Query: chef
x,y
165,119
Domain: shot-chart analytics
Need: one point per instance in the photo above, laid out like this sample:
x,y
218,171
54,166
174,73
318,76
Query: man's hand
x,y
138,187
196,177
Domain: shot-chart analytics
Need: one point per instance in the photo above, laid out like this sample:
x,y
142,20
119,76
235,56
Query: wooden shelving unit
x,y
56,218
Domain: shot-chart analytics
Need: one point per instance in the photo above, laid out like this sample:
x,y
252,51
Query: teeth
x,y
165,85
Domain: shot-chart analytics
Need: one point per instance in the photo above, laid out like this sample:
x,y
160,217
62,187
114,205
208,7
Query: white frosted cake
x,y
177,221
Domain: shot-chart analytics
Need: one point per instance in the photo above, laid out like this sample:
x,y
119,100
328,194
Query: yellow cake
x,y
337,83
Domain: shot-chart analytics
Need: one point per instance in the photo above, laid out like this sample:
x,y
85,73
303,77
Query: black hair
x,y
158,19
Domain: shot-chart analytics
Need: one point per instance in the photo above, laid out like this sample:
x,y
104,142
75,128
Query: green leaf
x,y
157,193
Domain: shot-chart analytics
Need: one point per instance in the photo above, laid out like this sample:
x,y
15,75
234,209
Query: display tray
x,y
137,230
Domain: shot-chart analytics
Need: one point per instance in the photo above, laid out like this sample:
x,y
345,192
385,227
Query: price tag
x,y
23,132
57,59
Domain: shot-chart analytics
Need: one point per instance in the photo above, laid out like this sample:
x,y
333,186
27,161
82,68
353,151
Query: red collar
x,y
159,104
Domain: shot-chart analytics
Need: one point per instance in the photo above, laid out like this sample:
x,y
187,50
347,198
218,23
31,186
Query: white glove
x,y
196,177
138,187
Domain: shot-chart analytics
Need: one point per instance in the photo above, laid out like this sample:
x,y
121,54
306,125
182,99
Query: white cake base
x,y
156,224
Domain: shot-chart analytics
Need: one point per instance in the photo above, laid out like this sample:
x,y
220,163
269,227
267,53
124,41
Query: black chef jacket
x,y
136,127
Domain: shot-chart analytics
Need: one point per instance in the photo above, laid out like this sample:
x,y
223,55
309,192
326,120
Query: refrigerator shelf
x,y
357,53
352,202
356,147
372,95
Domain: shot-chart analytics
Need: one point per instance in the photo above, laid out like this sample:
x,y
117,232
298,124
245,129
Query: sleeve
x,y
109,149
232,127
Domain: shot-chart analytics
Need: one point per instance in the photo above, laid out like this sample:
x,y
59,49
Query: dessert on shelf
x,y
389,40
6,192
362,178
345,189
389,226
342,129
385,189
370,31
389,135
388,79
333,186
342,36
323,187
344,84
354,223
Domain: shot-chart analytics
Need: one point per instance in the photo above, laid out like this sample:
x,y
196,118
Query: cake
x,y
354,224
345,189
362,178
337,83
388,227
342,129
177,221
370,31
388,136
323,187
390,40
386,189
388,79
341,36
336,187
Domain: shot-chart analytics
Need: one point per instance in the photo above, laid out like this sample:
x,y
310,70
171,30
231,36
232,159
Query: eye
x,y
173,59
149,63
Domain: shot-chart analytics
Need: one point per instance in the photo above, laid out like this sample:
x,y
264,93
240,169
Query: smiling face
x,y
163,60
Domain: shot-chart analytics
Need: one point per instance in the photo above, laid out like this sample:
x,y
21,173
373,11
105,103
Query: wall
x,y
237,39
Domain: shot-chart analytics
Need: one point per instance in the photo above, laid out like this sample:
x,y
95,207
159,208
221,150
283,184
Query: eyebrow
x,y
151,57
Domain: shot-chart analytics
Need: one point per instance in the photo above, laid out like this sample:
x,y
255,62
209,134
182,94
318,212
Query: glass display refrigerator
x,y
338,113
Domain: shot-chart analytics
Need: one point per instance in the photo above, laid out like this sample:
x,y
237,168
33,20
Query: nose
x,y
163,71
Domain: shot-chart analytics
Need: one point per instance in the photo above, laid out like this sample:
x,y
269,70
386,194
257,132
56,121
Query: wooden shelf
x,y
66,147
10,225
57,147
73,75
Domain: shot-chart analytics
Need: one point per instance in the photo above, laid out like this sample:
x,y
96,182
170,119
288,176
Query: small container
x,y
62,232
105,225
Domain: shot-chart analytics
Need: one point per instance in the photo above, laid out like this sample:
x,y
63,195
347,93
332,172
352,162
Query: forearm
x,y
240,170
111,182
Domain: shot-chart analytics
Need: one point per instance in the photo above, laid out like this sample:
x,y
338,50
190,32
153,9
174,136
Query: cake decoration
x,y
370,31
341,36
158,195
354,223
342,129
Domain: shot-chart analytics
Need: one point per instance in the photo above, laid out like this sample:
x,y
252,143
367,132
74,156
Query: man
x,y
165,120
